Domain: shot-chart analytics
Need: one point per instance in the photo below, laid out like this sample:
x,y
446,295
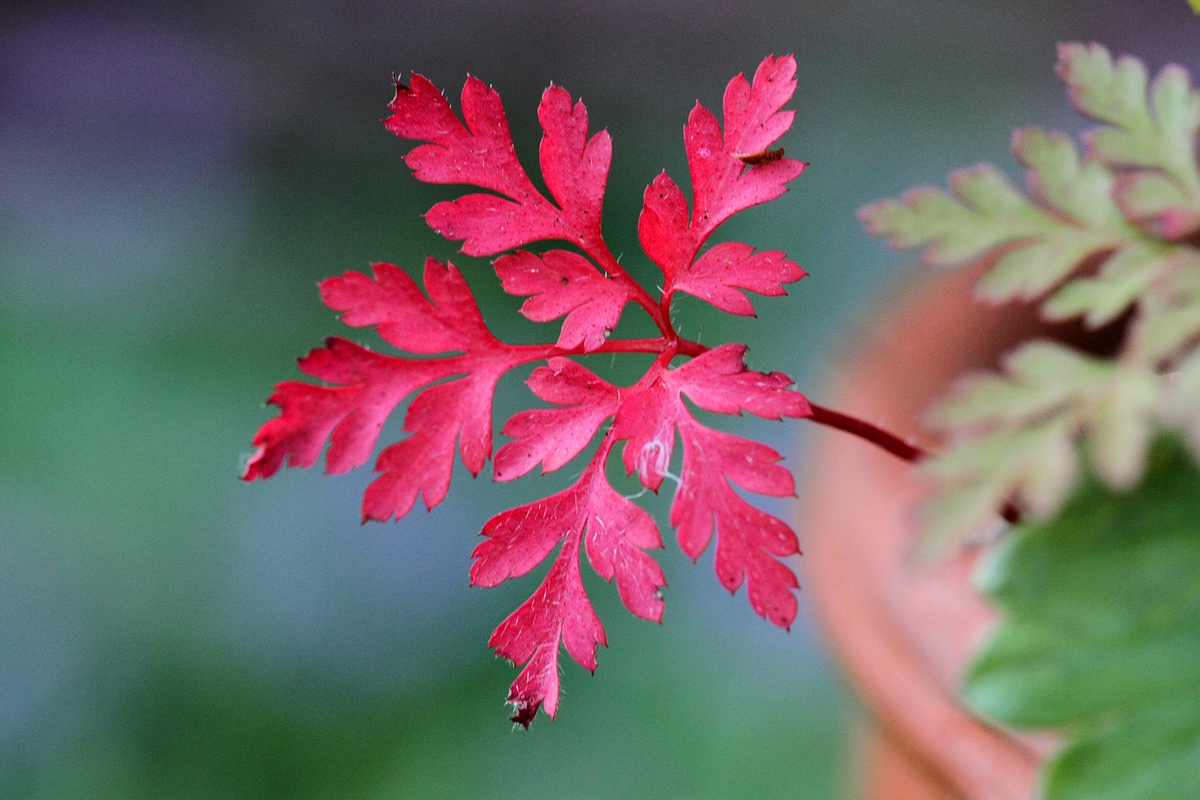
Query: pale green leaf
x,y
960,511
1081,190
1029,271
1121,425
985,189
1171,313
1146,194
1124,277
1116,93
1049,467
1040,377
1034,466
1157,204
1035,463
1177,114
1039,247
988,212
1168,330
1108,91
1015,434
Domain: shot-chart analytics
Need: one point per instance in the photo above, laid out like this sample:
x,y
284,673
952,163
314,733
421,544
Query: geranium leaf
x,y
663,227
1123,278
985,211
718,381
370,386
391,303
749,541
1014,435
451,385
729,171
554,436
353,413
481,153
616,533
561,283
575,167
722,185
1148,127
718,274
1035,249
1104,237
459,411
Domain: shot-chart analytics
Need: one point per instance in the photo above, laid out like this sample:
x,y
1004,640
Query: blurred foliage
x,y
1100,636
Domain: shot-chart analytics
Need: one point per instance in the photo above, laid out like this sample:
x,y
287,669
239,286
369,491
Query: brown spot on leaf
x,y
760,158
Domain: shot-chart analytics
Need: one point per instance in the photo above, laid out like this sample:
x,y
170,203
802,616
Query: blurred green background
x,y
174,182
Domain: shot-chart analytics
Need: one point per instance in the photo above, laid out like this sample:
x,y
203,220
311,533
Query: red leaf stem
x,y
877,436
892,443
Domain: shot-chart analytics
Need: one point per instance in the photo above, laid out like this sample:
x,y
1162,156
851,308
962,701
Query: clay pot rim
x,y
902,628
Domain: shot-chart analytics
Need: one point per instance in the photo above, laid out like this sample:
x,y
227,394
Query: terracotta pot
x,y
903,629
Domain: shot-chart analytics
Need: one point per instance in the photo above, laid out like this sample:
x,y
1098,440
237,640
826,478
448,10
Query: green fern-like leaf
x,y
1126,275
1013,435
984,212
1100,238
1041,244
1152,127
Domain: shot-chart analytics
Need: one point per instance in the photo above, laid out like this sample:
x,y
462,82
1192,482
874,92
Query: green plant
x,y
1100,589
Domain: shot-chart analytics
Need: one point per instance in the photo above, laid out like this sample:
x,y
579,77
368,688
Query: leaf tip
x,y
525,708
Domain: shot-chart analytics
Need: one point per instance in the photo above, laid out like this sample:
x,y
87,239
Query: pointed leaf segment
x,y
451,364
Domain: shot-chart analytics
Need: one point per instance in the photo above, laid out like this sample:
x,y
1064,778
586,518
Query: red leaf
x,y
729,173
481,154
354,413
554,436
645,421
574,167
663,227
487,224
717,381
459,410
749,541
559,609
391,303
716,276
452,391
372,385
753,121
616,533
561,282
